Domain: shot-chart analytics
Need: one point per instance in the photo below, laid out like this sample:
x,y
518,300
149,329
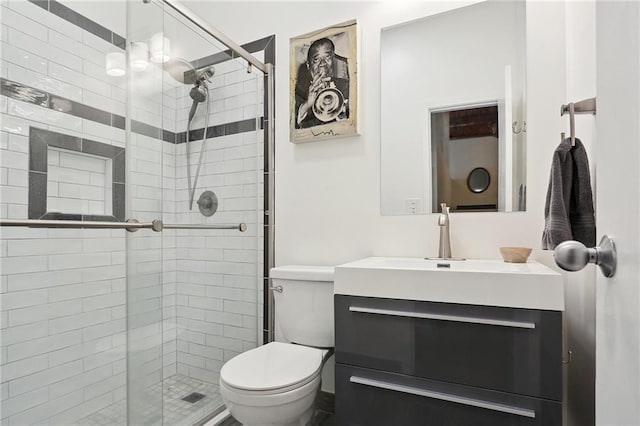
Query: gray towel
x,y
569,208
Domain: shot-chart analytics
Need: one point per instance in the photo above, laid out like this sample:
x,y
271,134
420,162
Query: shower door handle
x,y
131,225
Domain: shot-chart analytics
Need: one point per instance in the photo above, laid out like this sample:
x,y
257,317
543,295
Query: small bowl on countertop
x,y
515,254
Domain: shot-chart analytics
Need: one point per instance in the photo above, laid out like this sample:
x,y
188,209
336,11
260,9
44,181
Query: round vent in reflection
x,y
478,180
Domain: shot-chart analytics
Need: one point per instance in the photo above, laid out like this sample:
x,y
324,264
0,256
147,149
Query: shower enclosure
x,y
136,171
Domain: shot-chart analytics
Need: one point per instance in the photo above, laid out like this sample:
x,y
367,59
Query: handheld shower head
x,y
198,93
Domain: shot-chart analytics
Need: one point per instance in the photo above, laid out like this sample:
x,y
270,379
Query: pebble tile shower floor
x,y
176,411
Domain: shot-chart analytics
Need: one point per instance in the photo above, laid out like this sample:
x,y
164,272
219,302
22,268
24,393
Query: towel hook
x,y
523,127
586,106
572,123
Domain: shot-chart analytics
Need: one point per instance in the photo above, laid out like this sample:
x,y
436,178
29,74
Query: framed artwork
x,y
323,83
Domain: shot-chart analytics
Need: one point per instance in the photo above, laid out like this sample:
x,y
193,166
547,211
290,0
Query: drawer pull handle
x,y
456,318
444,396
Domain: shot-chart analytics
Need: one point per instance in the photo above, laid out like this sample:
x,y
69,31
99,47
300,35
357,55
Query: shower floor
x,y
176,411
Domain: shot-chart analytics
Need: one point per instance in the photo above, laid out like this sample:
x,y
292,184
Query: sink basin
x,y
477,282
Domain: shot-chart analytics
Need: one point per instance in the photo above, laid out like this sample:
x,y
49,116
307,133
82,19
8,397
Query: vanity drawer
x,y
510,350
369,397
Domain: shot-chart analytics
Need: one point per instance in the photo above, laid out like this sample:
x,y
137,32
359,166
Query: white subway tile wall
x,y
78,183
194,297
219,276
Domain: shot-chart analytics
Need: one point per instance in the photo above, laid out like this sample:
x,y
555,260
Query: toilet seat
x,y
272,369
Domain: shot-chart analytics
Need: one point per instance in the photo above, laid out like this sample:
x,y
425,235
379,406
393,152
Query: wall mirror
x,y
453,124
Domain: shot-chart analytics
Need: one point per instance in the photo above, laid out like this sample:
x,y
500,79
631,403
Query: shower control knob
x,y
573,256
208,203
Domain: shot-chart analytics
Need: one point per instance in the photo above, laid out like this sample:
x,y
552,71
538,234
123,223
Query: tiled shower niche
x,y
74,178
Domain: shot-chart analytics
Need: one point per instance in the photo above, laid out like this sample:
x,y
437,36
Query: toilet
x,y
276,384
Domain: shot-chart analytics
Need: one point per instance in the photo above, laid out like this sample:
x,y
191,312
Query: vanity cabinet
x,y
405,362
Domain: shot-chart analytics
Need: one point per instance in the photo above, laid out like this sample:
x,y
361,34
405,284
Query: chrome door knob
x,y
573,256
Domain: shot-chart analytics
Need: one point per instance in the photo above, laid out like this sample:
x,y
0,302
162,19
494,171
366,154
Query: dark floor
x,y
325,408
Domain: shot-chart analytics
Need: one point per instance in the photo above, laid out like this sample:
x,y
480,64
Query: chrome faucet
x,y
444,249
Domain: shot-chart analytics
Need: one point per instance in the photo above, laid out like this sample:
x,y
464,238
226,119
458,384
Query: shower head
x,y
181,70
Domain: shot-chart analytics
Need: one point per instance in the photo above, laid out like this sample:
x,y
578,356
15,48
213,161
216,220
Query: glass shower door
x,y
147,160
99,325
63,289
193,295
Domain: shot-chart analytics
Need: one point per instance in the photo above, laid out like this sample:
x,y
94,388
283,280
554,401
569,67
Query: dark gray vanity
x,y
421,362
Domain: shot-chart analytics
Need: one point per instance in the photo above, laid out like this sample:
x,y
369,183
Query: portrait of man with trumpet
x,y
323,89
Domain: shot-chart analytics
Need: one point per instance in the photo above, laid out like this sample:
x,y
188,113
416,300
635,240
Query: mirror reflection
x,y
453,111
464,156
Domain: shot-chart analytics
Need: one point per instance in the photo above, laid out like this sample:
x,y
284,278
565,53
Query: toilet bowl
x,y
276,384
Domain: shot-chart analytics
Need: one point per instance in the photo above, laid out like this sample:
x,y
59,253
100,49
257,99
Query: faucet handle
x,y
443,219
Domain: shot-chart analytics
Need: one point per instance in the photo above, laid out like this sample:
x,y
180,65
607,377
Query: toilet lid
x,y
272,366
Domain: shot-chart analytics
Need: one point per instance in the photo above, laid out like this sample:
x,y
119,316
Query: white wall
x,y
328,193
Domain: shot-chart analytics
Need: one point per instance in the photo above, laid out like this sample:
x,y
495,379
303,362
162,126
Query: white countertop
x,y
477,282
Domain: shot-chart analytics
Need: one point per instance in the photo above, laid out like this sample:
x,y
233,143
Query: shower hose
x,y
192,188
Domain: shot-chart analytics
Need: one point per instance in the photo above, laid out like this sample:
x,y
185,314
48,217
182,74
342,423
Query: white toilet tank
x,y
304,308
